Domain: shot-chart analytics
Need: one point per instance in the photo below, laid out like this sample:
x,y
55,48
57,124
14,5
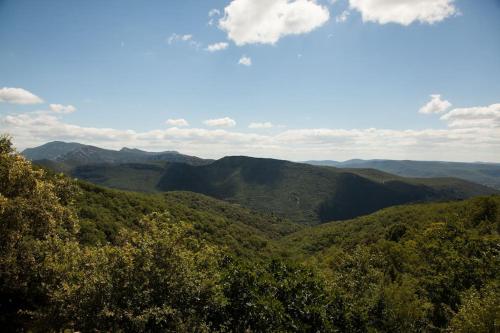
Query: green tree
x,y
159,278
479,312
33,213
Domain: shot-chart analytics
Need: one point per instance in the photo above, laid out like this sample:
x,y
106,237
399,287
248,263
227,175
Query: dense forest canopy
x,y
80,257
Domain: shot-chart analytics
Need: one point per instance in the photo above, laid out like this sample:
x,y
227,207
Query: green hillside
x,y
78,257
300,192
309,194
103,212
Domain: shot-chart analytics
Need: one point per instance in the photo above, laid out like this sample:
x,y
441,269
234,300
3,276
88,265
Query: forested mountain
x,y
68,155
299,192
487,174
78,257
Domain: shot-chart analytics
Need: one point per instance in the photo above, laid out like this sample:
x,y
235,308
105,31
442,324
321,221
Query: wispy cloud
x,y
342,17
260,125
212,14
183,38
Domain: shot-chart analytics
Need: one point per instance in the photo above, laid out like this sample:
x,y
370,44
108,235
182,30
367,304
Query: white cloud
x,y
59,108
474,117
260,125
217,47
473,138
18,96
177,122
435,105
245,61
404,12
220,122
266,21
342,17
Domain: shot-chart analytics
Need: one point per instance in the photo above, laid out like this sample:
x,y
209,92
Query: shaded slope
x,y
309,194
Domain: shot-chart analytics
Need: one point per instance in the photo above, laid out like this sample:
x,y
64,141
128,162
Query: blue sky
x,y
316,84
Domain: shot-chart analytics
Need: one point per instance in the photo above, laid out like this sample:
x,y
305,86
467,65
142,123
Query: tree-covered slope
x,y
416,268
300,192
309,194
77,257
103,212
395,223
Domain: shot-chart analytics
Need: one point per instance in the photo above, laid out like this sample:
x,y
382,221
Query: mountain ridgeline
x,y
68,155
482,173
300,192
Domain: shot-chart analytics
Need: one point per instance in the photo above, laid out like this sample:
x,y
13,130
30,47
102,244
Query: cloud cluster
x,y
266,21
18,96
220,122
435,105
471,134
404,12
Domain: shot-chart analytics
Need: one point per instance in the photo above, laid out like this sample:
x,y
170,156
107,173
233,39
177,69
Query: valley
x,y
299,192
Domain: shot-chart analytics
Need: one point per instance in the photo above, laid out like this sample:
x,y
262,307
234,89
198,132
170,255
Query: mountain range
x,y
301,192
69,155
482,173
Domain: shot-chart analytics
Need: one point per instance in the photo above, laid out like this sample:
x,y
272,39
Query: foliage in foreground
x,y
158,274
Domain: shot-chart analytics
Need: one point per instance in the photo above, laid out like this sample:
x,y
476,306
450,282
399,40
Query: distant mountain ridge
x,y
300,192
482,173
73,154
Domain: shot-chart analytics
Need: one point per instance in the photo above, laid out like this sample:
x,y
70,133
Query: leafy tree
x,y
159,278
276,297
33,213
479,312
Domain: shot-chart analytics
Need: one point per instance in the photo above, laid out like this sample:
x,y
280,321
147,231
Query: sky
x,y
289,79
